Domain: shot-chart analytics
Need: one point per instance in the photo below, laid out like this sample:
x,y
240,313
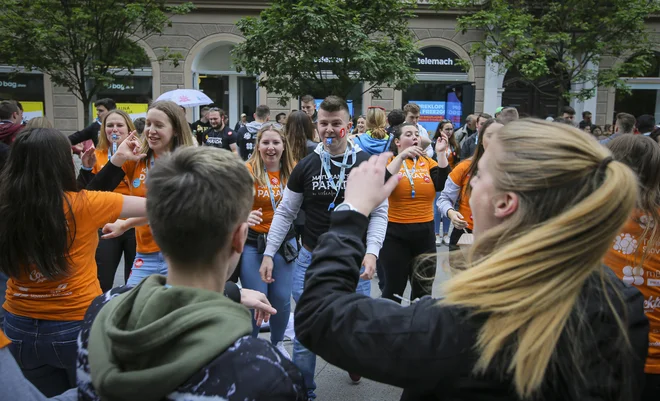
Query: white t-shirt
x,y
424,133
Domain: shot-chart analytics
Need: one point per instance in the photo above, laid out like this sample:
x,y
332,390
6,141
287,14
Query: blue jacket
x,y
372,145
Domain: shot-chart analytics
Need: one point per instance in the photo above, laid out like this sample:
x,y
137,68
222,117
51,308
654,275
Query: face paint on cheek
x,y
342,132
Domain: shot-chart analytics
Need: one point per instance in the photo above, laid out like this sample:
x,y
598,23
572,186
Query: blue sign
x,y
431,113
350,106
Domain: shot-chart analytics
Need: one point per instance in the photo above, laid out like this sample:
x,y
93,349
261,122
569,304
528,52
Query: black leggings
x,y
108,256
403,243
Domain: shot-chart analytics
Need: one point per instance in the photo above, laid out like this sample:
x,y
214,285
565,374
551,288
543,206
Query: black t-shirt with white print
x,y
309,178
219,138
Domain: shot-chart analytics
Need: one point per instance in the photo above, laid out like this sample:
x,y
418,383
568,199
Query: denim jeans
x,y
145,265
3,291
278,292
46,351
438,218
303,358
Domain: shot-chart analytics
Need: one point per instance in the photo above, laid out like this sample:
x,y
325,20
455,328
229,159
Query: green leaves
x,y
82,44
328,46
561,39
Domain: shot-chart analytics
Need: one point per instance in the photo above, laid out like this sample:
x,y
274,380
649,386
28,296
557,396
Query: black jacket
x,y
89,132
429,350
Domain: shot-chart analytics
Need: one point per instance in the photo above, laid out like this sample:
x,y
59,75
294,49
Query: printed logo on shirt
x,y
274,181
214,141
247,135
427,179
651,304
139,263
645,221
633,276
37,276
229,133
625,243
262,192
421,164
321,185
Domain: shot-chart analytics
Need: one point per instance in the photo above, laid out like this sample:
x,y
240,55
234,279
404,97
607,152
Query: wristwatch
x,y
344,207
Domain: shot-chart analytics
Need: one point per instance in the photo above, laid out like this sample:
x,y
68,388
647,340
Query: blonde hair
x,y
182,133
38,122
527,273
286,160
376,123
103,139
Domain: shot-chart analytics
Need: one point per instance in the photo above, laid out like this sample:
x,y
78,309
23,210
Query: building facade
x,y
206,36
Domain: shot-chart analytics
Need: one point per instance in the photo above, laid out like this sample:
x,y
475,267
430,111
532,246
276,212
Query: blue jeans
x,y
438,218
145,265
278,292
3,291
303,358
46,351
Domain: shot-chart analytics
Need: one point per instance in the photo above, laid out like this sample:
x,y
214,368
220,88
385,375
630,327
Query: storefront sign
x,y
129,85
32,110
437,59
135,110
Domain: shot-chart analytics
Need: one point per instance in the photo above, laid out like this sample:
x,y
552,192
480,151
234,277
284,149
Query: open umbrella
x,y
186,97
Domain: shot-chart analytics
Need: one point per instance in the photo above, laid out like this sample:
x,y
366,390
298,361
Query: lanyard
x,y
274,203
411,176
326,160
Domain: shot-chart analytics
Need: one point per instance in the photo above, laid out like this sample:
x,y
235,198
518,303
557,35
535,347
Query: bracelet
x,y
86,168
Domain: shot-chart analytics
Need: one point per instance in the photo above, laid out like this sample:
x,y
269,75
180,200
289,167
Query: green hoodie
x,y
146,343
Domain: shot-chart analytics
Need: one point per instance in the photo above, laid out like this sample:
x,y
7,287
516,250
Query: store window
x,y
27,89
132,93
644,97
231,91
443,91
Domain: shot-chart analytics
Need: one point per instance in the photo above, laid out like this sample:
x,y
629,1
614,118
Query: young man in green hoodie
x,y
179,337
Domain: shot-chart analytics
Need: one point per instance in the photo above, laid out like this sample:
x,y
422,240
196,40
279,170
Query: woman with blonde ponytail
x,y
376,140
535,316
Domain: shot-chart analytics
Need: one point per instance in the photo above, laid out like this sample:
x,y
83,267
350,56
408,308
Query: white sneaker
x,y
445,239
280,347
438,240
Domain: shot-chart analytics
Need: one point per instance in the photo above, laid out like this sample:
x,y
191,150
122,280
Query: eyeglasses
x,y
376,107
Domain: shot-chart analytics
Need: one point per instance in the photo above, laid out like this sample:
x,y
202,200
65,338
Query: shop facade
x,y
206,36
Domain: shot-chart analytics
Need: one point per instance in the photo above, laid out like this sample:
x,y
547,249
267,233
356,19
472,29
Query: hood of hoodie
x,y
8,131
253,127
147,342
372,145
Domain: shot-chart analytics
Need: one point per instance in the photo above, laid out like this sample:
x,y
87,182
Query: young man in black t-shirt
x,y
316,185
219,135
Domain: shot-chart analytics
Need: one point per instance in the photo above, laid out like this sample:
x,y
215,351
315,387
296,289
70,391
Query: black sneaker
x,y
355,378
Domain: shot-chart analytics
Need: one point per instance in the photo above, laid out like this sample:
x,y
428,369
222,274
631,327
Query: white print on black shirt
x,y
214,141
321,185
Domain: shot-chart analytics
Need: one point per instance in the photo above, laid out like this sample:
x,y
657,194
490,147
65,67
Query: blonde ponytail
x,y
527,273
376,123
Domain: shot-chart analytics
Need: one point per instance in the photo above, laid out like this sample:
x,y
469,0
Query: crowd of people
x,y
551,230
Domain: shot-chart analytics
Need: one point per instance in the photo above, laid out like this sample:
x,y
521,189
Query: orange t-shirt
x,y
624,258
136,173
262,199
452,156
4,341
460,177
403,207
102,158
67,298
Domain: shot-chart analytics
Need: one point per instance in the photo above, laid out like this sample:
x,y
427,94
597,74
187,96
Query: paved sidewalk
x,y
333,384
